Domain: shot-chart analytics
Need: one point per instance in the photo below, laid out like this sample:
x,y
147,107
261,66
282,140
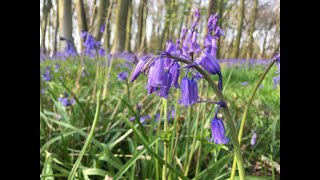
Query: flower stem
x,y
243,120
229,121
165,128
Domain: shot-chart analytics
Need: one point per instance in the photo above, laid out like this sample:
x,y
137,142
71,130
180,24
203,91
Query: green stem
x,y
234,165
128,90
229,121
202,127
88,141
165,144
187,143
157,145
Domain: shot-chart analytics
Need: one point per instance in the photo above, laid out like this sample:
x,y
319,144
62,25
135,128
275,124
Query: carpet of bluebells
x,y
69,90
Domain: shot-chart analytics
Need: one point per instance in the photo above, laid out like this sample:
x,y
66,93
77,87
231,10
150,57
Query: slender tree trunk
x,y
56,28
107,31
47,4
184,12
165,31
252,29
239,29
220,12
101,18
121,26
128,30
264,44
82,19
65,22
142,26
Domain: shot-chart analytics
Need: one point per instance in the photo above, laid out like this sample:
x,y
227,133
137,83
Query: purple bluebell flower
x,y
276,80
103,27
189,92
65,101
166,84
196,17
57,67
212,22
142,119
183,32
70,51
244,84
173,113
253,138
208,62
46,75
83,34
102,52
175,71
218,135
138,68
157,117
122,76
150,87
158,72
194,91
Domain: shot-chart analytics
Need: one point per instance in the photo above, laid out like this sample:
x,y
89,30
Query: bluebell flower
x,y
138,68
102,28
244,84
158,72
46,75
102,52
122,76
253,138
166,84
65,101
208,62
142,119
175,71
218,135
189,92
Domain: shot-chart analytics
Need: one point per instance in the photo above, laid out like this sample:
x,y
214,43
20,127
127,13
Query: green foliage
x,y
124,149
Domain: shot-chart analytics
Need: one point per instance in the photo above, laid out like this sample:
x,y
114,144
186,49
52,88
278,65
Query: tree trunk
x,y
128,30
47,4
165,31
101,18
264,44
252,28
107,31
142,26
121,26
239,29
82,19
221,8
56,28
65,22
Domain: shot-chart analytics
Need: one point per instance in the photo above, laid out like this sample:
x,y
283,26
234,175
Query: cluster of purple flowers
x,y
92,46
46,75
164,72
65,101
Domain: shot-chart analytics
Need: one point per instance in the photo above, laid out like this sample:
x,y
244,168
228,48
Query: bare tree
x,y
252,29
121,26
239,29
82,20
47,4
128,30
142,40
65,22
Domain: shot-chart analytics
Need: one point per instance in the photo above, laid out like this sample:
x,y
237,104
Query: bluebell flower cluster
x,y
164,72
122,76
65,101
